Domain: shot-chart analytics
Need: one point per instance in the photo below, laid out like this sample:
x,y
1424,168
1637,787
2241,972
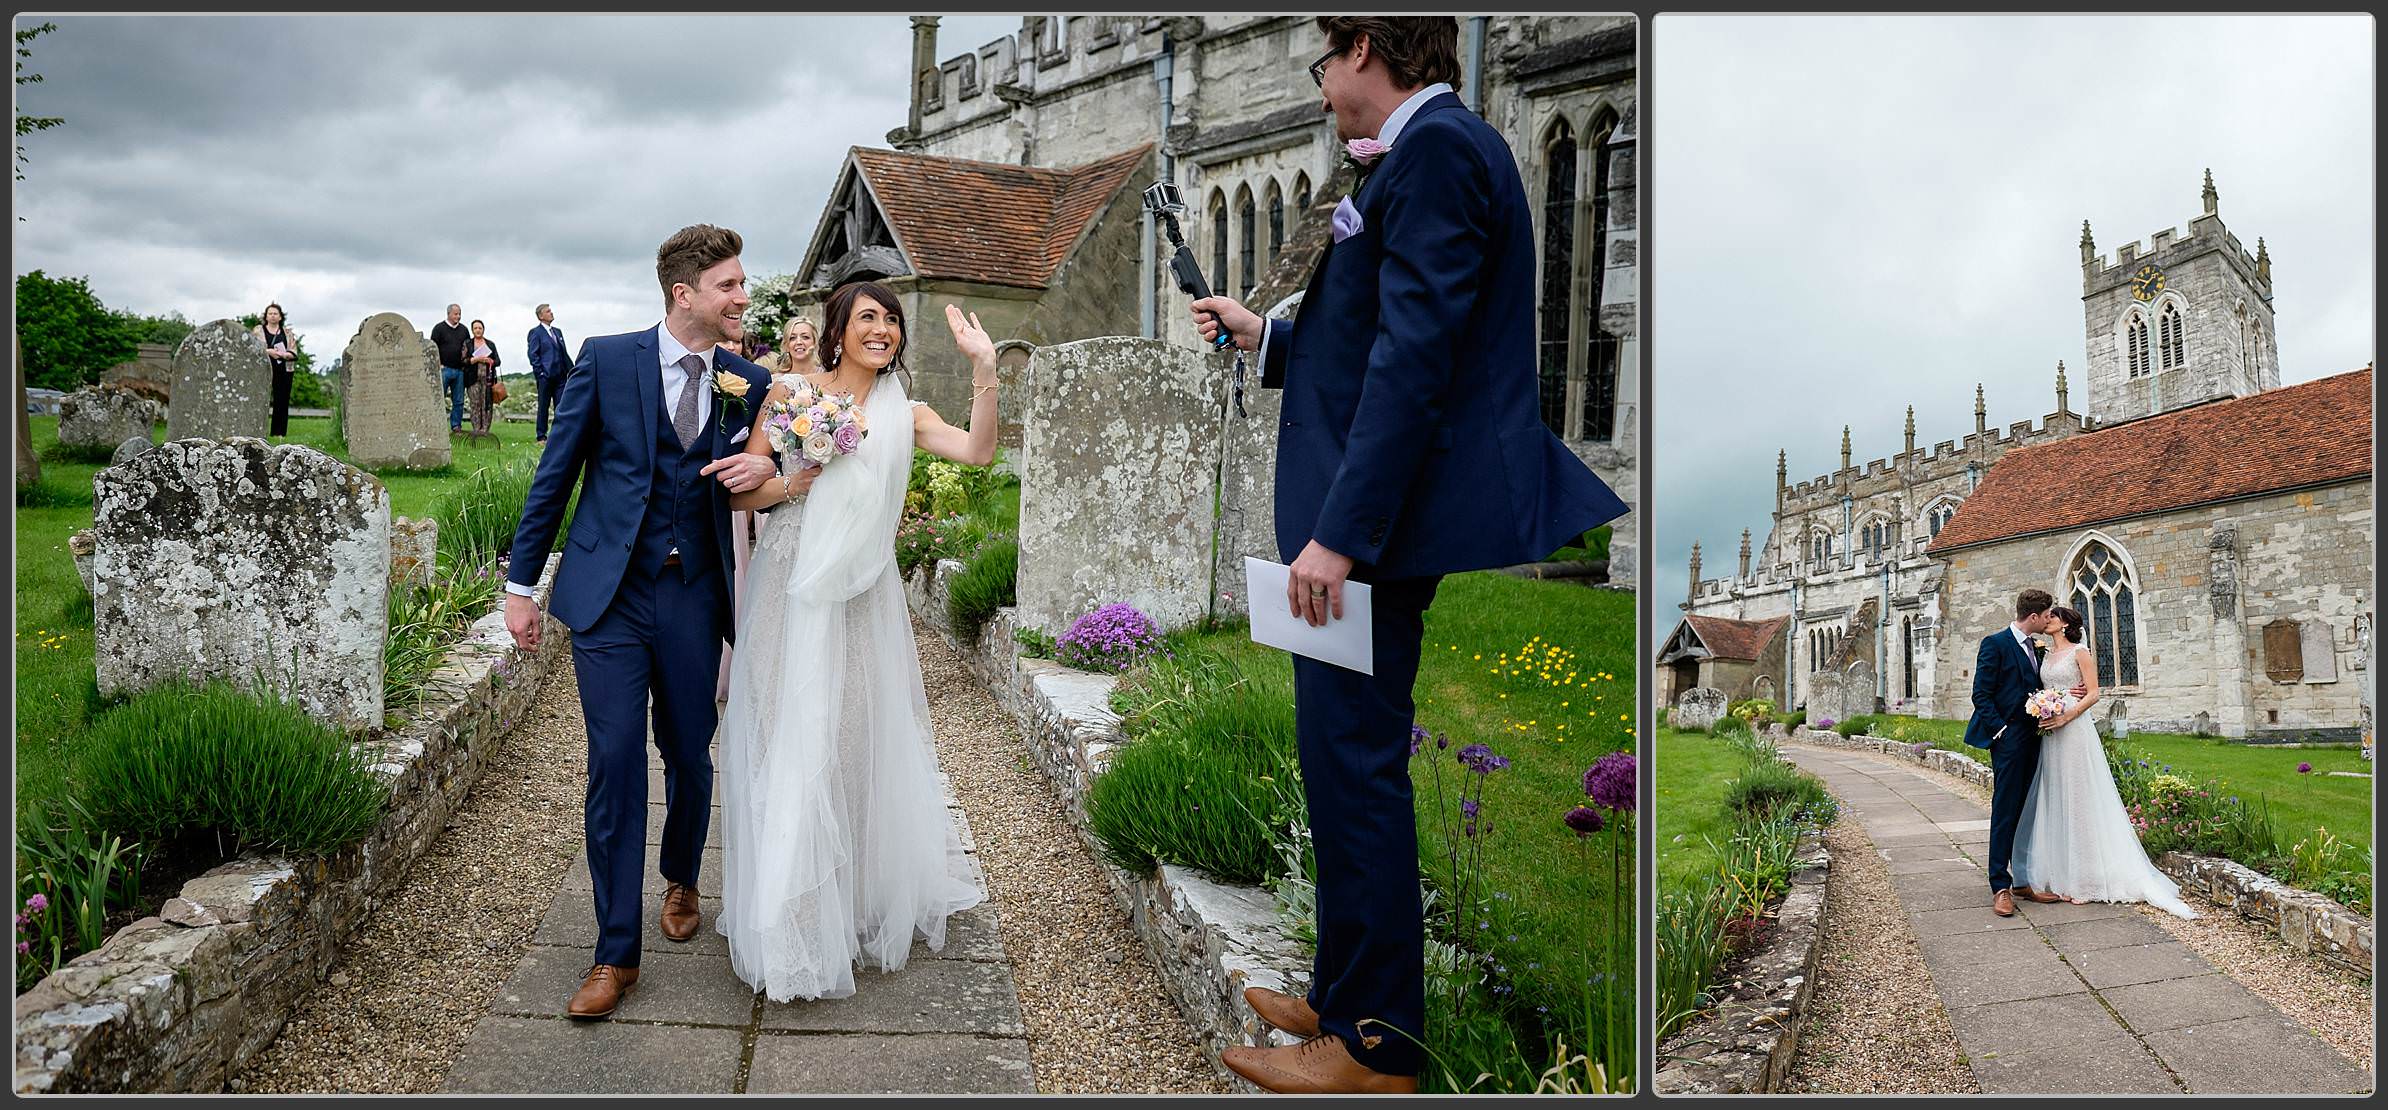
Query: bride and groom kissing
x,y
836,848
2058,828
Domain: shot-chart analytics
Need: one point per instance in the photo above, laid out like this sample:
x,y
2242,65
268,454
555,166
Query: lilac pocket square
x,y
741,436
1347,222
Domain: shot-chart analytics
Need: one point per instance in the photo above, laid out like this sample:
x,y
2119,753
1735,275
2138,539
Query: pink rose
x,y
847,437
1365,151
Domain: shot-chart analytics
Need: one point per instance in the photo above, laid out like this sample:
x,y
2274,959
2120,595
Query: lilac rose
x,y
847,437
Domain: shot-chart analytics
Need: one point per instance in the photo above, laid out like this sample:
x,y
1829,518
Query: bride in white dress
x,y
2075,837
836,846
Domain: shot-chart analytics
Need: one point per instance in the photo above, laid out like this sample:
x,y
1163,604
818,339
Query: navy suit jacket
x,y
1412,437
603,439
2004,677
549,363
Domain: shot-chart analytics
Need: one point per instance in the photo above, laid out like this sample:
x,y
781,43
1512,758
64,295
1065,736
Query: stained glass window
x,y
1558,264
2103,592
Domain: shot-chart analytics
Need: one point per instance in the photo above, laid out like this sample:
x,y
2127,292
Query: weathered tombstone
x,y
1857,689
98,417
82,545
414,552
1824,699
132,448
1119,460
150,373
222,385
243,560
1698,708
394,413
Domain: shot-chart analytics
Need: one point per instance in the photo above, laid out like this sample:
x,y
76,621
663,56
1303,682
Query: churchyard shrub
x,y
1729,726
216,764
1861,725
989,582
1752,710
1210,736
2175,812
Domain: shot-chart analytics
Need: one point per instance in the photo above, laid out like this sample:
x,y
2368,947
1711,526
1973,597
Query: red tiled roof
x,y
2299,435
990,222
1731,639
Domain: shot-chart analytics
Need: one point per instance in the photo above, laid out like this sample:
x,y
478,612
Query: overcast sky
x,y
1855,214
345,166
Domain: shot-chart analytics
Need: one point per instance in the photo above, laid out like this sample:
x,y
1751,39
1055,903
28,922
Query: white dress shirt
x,y
1386,134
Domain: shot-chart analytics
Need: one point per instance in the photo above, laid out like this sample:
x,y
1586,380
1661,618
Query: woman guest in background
x,y
796,354
481,358
275,334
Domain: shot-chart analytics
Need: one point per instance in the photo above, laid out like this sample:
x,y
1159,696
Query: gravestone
x,y
98,417
1698,708
222,385
150,372
1857,689
414,552
1119,459
394,412
132,448
1824,699
243,560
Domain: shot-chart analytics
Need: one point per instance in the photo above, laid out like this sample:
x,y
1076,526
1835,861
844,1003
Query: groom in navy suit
x,y
1411,447
2006,673
652,427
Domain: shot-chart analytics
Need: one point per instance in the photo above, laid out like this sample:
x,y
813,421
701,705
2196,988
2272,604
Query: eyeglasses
x,y
1318,69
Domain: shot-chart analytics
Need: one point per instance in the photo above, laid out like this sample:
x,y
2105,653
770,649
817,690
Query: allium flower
x,y
1610,782
2305,768
1585,820
1480,759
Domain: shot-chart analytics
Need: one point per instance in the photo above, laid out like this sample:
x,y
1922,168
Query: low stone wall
x,y
1209,939
2305,921
180,1001
1745,1047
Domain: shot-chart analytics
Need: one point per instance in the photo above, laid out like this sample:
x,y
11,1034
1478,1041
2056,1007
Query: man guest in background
x,y
549,363
1420,315
450,336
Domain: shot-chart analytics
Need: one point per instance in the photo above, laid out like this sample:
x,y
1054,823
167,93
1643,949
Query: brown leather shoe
x,y
1289,1012
604,989
2037,895
1318,1066
680,912
2003,903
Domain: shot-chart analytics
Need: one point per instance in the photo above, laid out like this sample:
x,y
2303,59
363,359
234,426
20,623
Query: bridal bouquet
x,y
814,426
2047,705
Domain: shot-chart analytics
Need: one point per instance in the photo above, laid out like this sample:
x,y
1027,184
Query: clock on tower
x,y
2145,284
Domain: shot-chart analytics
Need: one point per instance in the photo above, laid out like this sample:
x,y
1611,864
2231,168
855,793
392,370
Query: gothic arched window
x,y
2101,587
1301,194
1938,518
1877,537
1244,215
2135,341
2169,329
2246,341
1276,221
1558,268
1601,362
1219,238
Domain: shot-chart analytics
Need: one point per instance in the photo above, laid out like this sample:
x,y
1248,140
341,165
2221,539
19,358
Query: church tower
x,y
2188,321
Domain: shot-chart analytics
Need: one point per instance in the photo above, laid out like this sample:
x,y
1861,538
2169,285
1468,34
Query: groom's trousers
x,y
661,637
2013,762
1353,733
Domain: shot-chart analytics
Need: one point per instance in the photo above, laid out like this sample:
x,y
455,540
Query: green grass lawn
x,y
1690,771
55,685
2299,803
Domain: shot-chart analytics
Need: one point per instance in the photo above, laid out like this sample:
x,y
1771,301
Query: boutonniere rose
x,y
1364,152
732,388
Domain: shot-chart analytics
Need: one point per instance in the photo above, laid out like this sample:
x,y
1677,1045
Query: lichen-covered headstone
x,y
394,413
414,552
1698,708
1248,477
1119,457
223,385
98,417
242,560
132,448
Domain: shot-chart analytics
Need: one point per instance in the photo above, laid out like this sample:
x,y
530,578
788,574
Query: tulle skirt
x,y
2075,837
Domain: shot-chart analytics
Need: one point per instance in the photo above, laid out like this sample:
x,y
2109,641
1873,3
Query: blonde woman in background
x,y
798,352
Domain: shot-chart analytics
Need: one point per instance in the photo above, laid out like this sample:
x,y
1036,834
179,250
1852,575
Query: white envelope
x,y
1346,643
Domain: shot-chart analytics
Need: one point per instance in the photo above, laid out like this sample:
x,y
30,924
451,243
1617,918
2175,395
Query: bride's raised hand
x,y
972,339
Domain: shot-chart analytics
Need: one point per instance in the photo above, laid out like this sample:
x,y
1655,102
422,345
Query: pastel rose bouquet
x,y
815,426
2047,705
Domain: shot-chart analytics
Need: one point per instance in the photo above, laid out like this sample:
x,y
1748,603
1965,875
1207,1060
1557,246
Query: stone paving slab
x,y
928,996
520,1055
2064,998
571,922
880,1063
683,989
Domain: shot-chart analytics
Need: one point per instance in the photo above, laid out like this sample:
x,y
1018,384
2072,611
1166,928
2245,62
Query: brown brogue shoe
x,y
680,913
1289,1012
603,989
1318,1066
2003,903
2037,895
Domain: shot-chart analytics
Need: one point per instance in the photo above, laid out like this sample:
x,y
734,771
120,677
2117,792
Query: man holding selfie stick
x,y
1411,447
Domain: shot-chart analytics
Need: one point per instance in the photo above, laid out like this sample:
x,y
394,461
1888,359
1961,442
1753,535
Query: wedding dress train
x,y
2075,837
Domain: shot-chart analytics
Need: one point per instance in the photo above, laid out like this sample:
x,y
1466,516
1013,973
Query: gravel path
x,y
1098,1018
1875,1024
415,978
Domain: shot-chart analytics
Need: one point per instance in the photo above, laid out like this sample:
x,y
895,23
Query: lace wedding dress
x,y
2075,837
836,846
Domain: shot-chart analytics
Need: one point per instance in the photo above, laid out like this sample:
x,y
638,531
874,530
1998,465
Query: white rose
x,y
818,447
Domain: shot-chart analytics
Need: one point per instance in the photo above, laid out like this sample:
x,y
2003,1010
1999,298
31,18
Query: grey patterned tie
x,y
684,416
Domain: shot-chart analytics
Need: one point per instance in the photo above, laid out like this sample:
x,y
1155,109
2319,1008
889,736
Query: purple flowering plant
x,y
1110,639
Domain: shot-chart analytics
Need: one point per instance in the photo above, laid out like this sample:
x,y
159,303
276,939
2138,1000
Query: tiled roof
x,y
2299,435
990,222
1731,639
